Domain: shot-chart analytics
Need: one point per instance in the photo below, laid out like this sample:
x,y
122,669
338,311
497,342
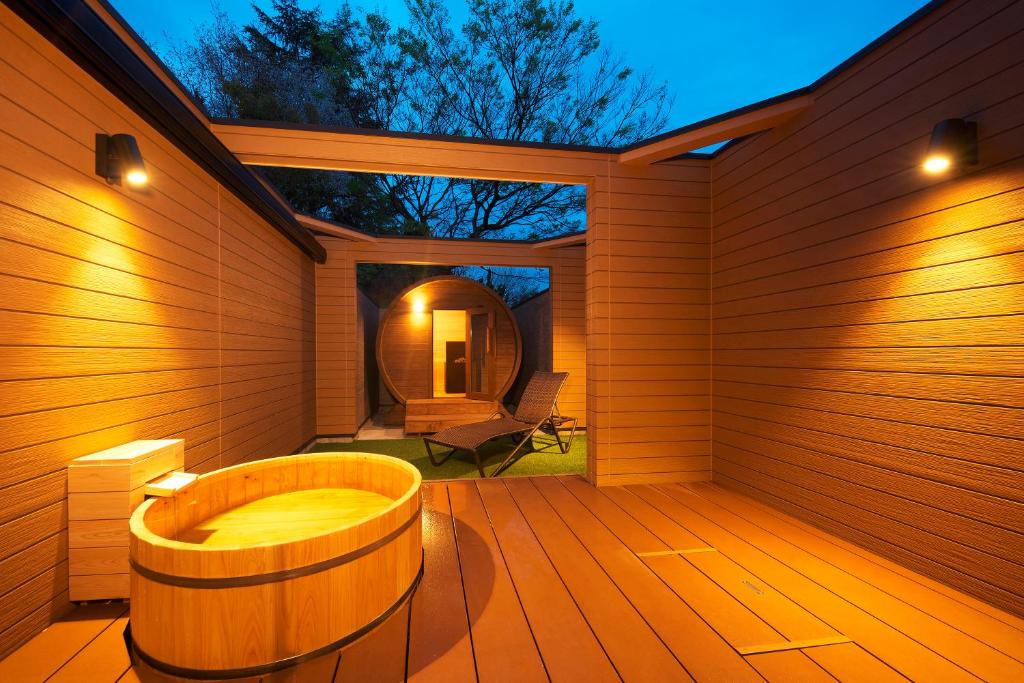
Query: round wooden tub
x,y
264,565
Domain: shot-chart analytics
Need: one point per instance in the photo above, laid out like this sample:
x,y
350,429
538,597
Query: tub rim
x,y
145,541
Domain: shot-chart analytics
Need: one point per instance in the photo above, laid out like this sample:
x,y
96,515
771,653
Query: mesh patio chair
x,y
537,408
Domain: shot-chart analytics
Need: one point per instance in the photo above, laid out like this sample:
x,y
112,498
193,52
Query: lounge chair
x,y
537,408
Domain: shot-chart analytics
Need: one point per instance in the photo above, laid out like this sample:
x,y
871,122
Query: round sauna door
x,y
448,337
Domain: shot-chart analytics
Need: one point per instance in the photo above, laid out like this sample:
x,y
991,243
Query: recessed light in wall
x,y
118,158
954,142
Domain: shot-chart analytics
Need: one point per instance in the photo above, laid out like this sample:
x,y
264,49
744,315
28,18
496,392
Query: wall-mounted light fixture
x,y
419,305
954,143
118,158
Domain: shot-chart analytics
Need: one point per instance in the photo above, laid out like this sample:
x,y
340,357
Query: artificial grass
x,y
546,459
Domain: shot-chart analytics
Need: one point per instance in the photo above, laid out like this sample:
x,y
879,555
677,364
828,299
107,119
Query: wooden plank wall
x,y
338,360
367,316
569,327
173,312
868,319
534,319
648,324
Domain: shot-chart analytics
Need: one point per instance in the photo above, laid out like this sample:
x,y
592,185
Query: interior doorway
x,y
450,361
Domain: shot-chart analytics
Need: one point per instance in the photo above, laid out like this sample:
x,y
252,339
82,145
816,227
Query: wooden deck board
x,y
792,665
1003,631
502,640
440,645
970,653
704,653
633,646
907,655
105,659
781,613
849,662
568,644
542,578
47,652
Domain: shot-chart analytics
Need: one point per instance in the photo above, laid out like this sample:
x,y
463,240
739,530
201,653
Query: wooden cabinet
x,y
104,489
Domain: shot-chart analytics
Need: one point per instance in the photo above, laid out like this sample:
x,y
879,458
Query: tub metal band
x,y
280,664
273,577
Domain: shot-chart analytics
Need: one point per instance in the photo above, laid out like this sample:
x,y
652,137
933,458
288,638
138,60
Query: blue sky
x,y
716,56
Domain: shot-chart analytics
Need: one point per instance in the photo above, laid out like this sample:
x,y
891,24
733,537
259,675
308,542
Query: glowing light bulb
x,y
937,163
137,178
419,305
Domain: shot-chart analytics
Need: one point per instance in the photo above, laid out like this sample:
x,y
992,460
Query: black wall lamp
x,y
954,143
118,158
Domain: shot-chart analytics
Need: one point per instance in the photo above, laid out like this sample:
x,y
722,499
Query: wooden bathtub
x,y
264,565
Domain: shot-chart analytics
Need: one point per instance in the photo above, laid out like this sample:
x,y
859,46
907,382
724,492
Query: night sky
x,y
716,56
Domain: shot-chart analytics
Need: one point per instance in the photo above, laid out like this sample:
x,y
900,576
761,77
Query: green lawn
x,y
545,460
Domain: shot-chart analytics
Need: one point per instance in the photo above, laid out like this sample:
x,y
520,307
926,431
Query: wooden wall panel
x,y
367,317
648,323
569,327
339,364
172,312
535,326
867,318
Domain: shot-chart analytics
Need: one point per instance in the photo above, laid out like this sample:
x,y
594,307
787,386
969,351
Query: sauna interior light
x,y
118,157
419,305
954,142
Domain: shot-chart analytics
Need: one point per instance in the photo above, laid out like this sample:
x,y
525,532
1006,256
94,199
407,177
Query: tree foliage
x,y
523,71
529,70
294,66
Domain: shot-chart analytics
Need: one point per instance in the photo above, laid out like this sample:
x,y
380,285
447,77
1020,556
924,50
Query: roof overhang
x,y
334,229
263,143
735,124
331,229
558,242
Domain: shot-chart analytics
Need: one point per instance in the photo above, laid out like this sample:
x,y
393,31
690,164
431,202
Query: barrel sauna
x,y
264,565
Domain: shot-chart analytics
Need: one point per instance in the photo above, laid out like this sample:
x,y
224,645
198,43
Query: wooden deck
x,y
538,579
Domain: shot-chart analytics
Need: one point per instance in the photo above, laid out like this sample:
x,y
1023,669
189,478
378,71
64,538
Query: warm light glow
x,y
937,163
137,178
449,326
118,159
419,305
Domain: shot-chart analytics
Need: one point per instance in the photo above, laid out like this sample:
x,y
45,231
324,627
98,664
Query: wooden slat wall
x,y
534,319
339,365
868,319
569,327
648,318
367,316
173,312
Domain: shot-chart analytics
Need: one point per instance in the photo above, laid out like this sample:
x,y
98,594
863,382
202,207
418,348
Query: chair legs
x,y
438,462
528,439
563,447
433,458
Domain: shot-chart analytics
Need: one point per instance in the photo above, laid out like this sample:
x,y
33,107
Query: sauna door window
x,y
449,342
